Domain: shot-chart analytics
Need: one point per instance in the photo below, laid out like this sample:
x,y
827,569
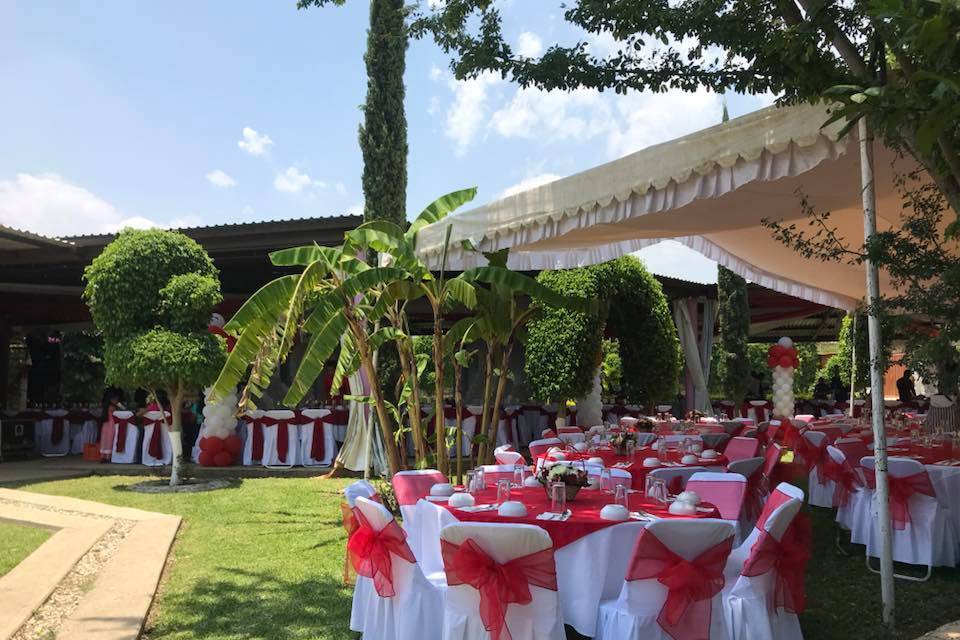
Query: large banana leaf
x,y
521,283
380,235
244,352
462,291
322,344
348,362
438,210
266,305
305,255
311,277
363,282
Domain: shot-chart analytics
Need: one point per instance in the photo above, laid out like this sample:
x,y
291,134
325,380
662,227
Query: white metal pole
x,y
853,366
876,375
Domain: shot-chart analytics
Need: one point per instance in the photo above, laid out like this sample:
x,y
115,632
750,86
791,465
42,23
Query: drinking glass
x,y
620,496
558,497
606,480
518,473
631,449
503,491
481,480
656,489
662,449
472,487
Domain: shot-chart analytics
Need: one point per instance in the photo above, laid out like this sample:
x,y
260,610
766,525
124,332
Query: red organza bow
x,y
350,525
499,584
155,448
755,494
790,434
901,490
283,436
812,455
370,552
56,434
256,426
844,479
317,445
788,557
121,424
691,585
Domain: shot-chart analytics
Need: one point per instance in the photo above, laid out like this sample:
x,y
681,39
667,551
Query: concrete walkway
x,y
116,604
946,632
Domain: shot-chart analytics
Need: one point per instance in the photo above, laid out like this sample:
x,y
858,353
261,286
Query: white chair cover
x,y
411,614
854,515
748,599
818,494
494,472
271,454
571,436
509,457
166,447
45,432
130,449
538,620
247,428
667,474
634,613
409,487
358,489
305,430
930,538
540,447
83,433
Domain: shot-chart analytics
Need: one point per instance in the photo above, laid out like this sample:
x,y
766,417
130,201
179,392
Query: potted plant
x,y
572,477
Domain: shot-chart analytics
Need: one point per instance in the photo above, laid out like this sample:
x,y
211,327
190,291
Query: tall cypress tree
x,y
734,317
383,134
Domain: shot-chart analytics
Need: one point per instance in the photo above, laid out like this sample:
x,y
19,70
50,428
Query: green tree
x,y
734,319
83,371
383,134
894,61
805,376
151,294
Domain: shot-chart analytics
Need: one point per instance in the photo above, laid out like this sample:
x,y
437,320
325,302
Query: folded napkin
x,y
478,507
559,517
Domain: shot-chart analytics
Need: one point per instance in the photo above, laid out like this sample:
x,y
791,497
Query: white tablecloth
x,y
589,569
946,482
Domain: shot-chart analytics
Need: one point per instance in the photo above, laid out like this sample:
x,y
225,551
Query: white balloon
x,y
208,410
214,422
223,434
785,342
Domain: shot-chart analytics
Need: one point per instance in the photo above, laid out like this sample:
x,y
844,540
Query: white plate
x,y
438,498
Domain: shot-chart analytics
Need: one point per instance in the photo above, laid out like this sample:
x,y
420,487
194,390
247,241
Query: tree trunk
x,y
409,366
498,401
458,400
176,430
484,427
393,457
443,455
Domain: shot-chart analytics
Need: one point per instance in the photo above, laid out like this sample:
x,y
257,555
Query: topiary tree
x,y
734,319
151,294
563,346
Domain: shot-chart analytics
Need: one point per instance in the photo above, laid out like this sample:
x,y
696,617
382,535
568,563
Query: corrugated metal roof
x,y
353,219
13,239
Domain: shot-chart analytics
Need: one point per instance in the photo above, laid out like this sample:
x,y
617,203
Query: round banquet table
x,y
634,466
591,553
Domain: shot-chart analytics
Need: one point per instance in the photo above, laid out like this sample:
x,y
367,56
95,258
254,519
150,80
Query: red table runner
x,y
636,468
585,510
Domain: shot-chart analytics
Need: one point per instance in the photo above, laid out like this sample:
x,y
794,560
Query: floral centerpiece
x,y
571,476
619,440
694,416
645,425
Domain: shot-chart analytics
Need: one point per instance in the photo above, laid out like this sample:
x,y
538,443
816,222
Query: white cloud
x,y
253,142
294,181
435,73
672,259
355,209
340,188
49,205
220,178
529,45
646,119
465,117
529,183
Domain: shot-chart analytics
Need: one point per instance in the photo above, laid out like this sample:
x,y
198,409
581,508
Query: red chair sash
x,y
499,584
283,436
318,447
56,433
350,525
788,557
370,552
155,448
121,424
901,490
812,455
844,479
256,448
756,492
691,585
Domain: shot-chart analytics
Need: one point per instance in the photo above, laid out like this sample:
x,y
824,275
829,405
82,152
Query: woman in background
x,y
112,400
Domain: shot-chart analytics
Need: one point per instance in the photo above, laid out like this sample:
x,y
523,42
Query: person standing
x,y
112,400
905,388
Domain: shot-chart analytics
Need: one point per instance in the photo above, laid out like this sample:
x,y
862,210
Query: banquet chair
x,y
540,447
252,437
359,489
646,439
408,488
84,430
758,410
757,489
53,433
753,587
509,457
316,433
570,435
675,477
923,532
126,437
642,609
741,447
529,550
726,491
617,476
805,418
715,441
813,452
503,447
732,428
494,472
771,458
401,604
853,448
281,439
852,499
157,449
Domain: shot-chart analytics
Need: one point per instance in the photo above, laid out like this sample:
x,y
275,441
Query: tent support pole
x,y
853,366
876,375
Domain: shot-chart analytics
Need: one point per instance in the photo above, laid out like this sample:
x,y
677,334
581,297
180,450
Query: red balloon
x,y
772,362
223,459
796,362
233,444
206,459
790,351
213,445
786,361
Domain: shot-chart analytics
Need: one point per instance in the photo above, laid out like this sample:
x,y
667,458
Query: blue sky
x,y
174,113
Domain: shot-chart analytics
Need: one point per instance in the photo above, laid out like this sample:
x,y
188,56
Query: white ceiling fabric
x,y
709,190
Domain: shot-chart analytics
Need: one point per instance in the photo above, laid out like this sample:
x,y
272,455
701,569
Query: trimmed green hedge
x,y
563,347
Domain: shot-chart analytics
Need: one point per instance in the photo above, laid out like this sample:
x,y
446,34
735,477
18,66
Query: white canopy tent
x,y
710,191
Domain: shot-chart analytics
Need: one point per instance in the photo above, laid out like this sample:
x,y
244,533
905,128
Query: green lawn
x,y
265,560
17,541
